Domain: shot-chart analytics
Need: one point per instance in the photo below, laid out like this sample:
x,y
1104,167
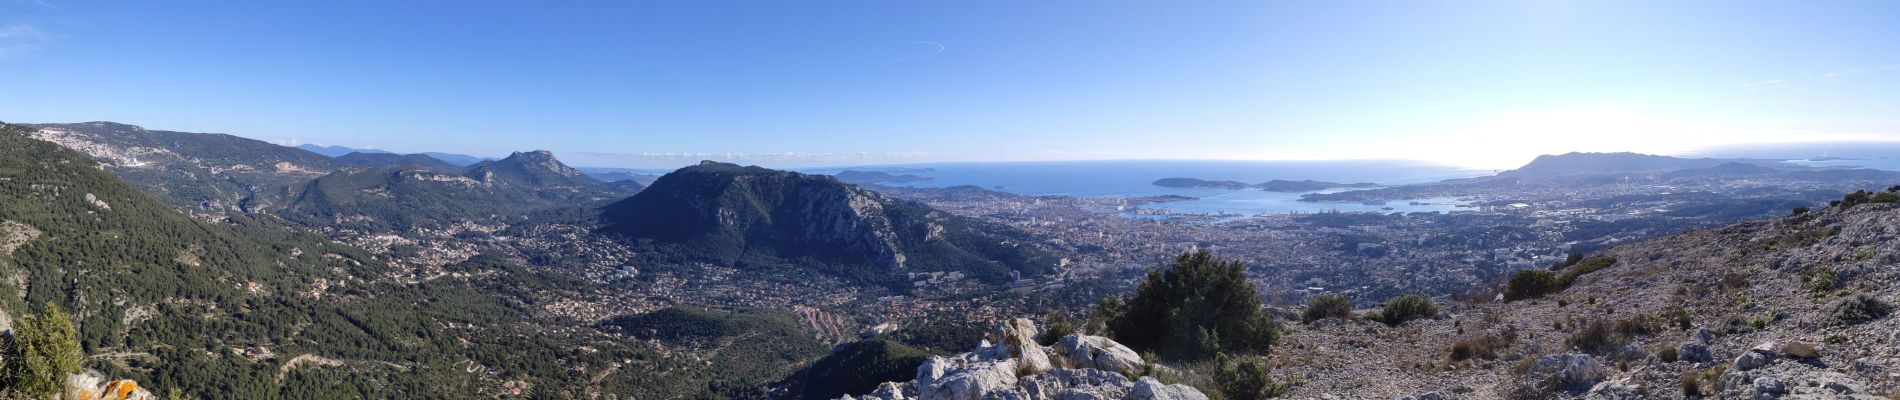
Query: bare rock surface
x,y
1017,368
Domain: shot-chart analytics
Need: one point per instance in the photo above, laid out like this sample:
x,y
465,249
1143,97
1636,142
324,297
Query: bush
x,y
1668,354
1639,324
1860,309
1691,384
1485,347
1058,325
1821,281
1406,308
1799,211
1594,337
1192,310
1327,306
1684,320
42,352
1587,266
1246,380
1531,284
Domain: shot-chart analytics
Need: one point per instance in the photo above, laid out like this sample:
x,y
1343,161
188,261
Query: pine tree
x,y
1196,308
43,351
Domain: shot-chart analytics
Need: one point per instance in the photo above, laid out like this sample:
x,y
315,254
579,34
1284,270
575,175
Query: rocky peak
x,y
542,160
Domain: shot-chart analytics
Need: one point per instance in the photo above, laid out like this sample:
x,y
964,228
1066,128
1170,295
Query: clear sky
x,y
1478,83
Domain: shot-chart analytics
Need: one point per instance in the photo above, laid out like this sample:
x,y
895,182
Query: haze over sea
x,y
1134,178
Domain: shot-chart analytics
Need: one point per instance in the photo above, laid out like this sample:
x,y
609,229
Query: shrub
x,y
1192,310
1058,325
1691,384
1327,306
1732,280
1821,281
1684,320
1716,372
1639,324
42,352
1594,337
1531,284
1406,308
1485,347
1248,379
1668,353
1860,308
1799,211
1587,266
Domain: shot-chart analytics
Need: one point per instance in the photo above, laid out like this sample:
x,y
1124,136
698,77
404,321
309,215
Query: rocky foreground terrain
x,y
1077,367
1795,307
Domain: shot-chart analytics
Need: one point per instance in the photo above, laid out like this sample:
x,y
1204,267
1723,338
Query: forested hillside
x,y
250,308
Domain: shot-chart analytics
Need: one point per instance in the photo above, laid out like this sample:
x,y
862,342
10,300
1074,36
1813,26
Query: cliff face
x,y
750,215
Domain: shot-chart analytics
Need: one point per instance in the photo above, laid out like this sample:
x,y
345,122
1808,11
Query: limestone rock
x,y
1570,372
1008,370
1150,389
972,382
1614,390
1018,338
1694,351
91,385
1099,353
1800,350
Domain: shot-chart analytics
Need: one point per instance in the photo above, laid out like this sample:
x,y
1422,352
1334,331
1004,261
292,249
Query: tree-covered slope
x,y
249,308
762,218
403,199
392,160
209,173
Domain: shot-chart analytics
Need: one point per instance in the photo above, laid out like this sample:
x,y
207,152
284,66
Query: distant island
x,y
1276,185
1310,185
1192,183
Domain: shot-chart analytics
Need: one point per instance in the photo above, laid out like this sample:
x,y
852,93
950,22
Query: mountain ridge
x,y
750,215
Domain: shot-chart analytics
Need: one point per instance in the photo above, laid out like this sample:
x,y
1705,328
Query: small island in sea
x,y
1275,185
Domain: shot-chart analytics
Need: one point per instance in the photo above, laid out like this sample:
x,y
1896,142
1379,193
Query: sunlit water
x,y
1135,179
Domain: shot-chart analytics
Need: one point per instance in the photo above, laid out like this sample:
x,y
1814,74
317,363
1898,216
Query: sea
x,y
1134,178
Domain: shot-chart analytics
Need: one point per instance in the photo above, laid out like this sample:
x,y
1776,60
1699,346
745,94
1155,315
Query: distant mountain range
x,y
401,199
204,173
1576,170
367,189
335,151
392,160
763,218
459,160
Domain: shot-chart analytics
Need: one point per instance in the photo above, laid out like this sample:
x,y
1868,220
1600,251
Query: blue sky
x,y
1479,83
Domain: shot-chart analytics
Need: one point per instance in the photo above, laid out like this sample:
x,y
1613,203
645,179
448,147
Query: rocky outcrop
x,y
1018,368
1788,370
1081,351
1151,389
1567,372
92,385
1696,349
